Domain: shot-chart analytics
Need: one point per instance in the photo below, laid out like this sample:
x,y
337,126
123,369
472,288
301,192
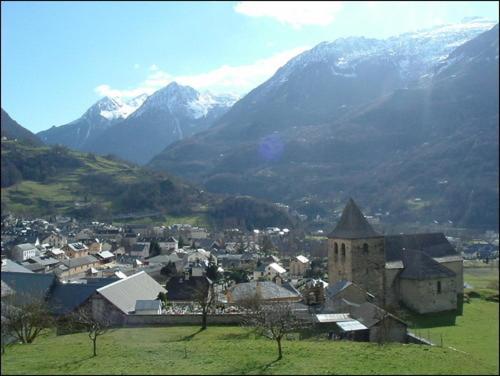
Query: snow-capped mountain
x,y
185,101
106,112
383,120
168,115
413,54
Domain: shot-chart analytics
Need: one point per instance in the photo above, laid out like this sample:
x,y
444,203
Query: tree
x,y
212,270
168,270
181,243
273,320
204,296
154,249
94,326
163,297
25,317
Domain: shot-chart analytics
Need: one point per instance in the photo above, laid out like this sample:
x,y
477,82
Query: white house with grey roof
x,y
119,299
299,265
23,252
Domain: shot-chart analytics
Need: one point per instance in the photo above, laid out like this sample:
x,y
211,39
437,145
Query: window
x,y
439,287
365,248
342,249
335,251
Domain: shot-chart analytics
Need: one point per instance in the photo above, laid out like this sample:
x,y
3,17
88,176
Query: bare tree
x,y
204,296
274,320
24,317
94,326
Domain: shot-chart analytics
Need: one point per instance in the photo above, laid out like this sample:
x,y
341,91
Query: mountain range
x,y
407,125
138,129
12,130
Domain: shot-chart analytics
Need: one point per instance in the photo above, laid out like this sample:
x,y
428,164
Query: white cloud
x,y
136,66
225,79
154,68
294,13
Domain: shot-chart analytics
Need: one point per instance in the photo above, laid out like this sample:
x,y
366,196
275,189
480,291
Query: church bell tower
x,y
356,252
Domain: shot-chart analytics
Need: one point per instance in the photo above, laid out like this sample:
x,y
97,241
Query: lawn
x,y
234,350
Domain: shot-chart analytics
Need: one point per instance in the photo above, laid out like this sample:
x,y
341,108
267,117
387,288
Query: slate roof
x,y
268,291
12,266
26,246
433,244
337,287
79,261
418,265
352,224
182,289
124,293
36,285
369,314
64,298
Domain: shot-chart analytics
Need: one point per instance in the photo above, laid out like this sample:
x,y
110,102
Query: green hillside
x,y
233,350
42,181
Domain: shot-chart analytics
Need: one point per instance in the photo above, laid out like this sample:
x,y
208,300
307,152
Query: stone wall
x,y
458,268
391,287
389,330
422,296
191,319
368,265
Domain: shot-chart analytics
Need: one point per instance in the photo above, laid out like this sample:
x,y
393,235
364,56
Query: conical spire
x,y
353,224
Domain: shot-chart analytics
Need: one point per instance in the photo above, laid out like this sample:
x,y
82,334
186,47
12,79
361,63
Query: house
x,y
56,253
228,261
165,259
170,244
274,269
74,250
148,307
422,271
76,266
140,250
344,290
29,286
382,326
259,272
11,266
43,264
299,265
117,300
22,252
266,290
53,238
105,256
186,289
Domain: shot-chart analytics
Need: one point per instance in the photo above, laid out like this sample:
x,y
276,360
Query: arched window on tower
x,y
335,251
439,287
365,248
342,251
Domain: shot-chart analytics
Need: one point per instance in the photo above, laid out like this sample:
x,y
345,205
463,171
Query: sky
x,y
58,58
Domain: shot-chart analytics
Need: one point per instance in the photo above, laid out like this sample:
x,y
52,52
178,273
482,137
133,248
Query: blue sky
x,y
58,58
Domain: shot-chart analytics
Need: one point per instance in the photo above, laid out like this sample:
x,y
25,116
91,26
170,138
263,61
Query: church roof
x,y
352,224
419,265
434,245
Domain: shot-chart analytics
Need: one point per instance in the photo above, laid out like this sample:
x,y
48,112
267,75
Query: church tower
x,y
356,252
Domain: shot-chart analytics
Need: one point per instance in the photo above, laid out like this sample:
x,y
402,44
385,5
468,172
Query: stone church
x,y
420,271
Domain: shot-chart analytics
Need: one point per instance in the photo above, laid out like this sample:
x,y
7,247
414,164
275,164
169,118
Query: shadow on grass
x,y
432,320
78,361
265,367
191,336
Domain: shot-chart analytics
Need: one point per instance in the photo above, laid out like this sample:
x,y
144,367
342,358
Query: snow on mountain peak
x,y
179,99
414,52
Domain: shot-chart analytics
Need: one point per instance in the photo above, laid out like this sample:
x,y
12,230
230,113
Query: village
x,y
181,274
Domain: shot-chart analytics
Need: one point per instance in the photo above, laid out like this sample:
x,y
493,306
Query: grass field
x,y
233,350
